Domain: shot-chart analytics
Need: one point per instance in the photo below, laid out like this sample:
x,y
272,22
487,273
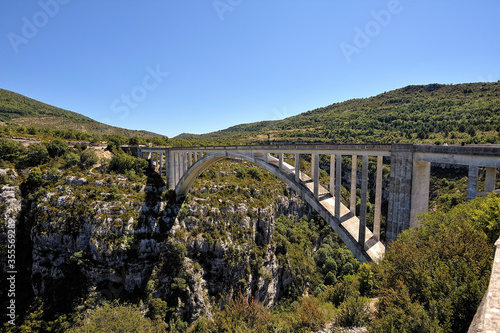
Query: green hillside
x,y
20,110
458,113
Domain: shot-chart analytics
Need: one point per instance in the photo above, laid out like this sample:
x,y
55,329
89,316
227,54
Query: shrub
x,y
37,155
56,147
241,172
255,173
115,318
353,312
309,315
443,268
72,159
88,158
241,315
10,150
121,163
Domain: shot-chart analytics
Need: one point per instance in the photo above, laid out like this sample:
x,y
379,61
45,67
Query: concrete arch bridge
x,y
408,191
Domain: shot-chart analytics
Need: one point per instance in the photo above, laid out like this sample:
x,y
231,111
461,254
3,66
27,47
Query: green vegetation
x,y
116,318
23,111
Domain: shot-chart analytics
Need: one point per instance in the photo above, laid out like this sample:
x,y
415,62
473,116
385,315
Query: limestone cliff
x,y
95,235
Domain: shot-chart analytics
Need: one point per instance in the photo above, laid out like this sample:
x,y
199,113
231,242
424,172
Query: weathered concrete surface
x,y
487,317
398,216
419,191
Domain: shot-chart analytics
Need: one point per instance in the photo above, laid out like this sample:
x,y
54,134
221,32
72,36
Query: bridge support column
x,y
419,191
364,192
354,171
490,180
178,168
151,162
297,167
171,169
338,175
398,216
315,173
378,199
161,163
280,163
472,182
332,175
184,163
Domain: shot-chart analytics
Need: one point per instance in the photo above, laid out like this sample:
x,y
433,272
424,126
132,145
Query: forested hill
x,y
21,110
457,113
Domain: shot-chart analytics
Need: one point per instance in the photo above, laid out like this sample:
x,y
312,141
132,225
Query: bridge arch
x,y
187,180
372,249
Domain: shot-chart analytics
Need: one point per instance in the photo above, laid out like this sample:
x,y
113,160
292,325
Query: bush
x,y
10,150
241,315
443,268
37,155
115,318
255,173
353,312
241,172
72,159
88,158
121,163
34,180
56,147
309,315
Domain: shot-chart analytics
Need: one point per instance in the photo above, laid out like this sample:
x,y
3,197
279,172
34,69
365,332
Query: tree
x,y
122,163
10,150
37,155
438,272
56,147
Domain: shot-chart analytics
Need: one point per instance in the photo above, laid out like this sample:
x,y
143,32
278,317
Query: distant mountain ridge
x,y
24,111
457,113
467,112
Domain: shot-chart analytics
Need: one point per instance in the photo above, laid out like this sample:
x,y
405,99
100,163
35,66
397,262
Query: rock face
x,y
140,242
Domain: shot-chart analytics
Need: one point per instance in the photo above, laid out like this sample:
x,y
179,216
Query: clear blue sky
x,y
172,66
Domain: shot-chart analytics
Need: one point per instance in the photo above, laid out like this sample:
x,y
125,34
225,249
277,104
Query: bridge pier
x,y
398,217
338,179
315,173
378,199
364,194
472,182
354,173
490,179
297,167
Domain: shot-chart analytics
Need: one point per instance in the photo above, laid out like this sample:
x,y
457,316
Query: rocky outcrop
x,y
117,243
